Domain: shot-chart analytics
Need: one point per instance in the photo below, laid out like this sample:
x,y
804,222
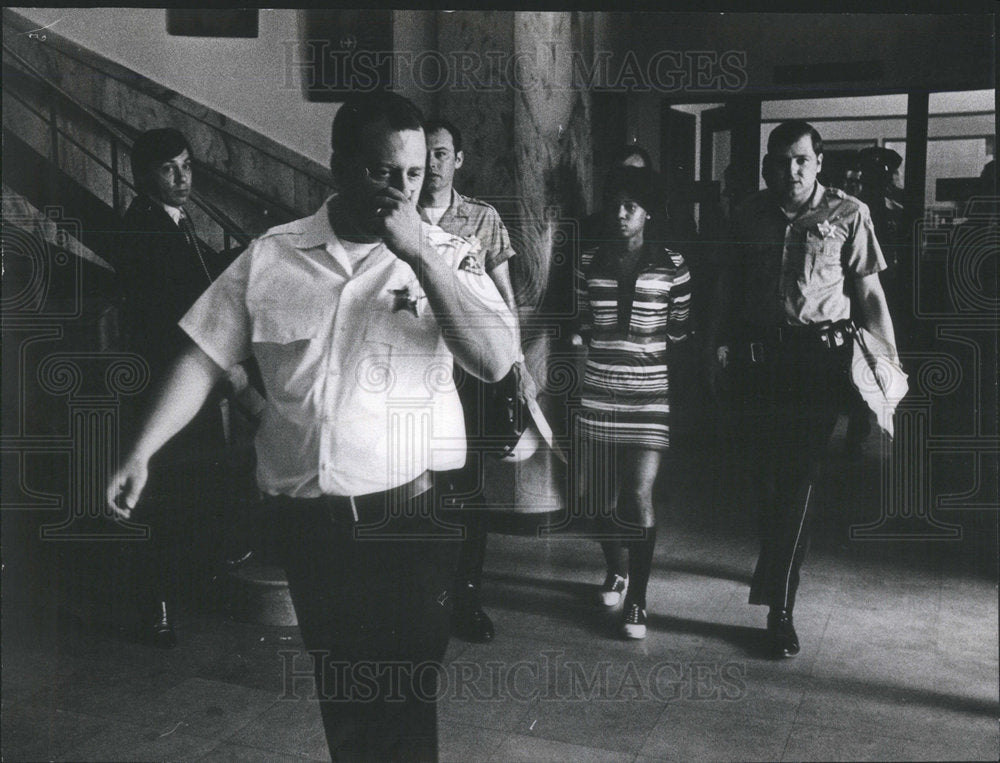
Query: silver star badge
x,y
826,229
403,300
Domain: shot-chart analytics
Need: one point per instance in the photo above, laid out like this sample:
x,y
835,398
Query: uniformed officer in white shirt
x,y
355,316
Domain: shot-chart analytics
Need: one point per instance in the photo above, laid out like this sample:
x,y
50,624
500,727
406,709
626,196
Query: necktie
x,y
192,240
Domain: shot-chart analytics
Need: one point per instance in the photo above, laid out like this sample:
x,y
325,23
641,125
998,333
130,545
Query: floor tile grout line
x,y
645,740
802,697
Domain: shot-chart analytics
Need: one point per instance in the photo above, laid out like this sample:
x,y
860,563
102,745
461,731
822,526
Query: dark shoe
x,y
634,623
781,633
472,624
613,590
161,633
468,620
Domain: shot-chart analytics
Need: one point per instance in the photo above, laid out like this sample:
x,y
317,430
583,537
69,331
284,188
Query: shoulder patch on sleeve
x,y
470,264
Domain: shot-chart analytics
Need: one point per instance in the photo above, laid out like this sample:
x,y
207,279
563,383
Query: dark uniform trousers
x,y
370,580
793,382
466,501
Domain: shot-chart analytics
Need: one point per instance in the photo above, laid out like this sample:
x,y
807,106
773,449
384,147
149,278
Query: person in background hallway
x,y
715,225
343,311
162,268
851,182
805,259
879,167
634,299
478,223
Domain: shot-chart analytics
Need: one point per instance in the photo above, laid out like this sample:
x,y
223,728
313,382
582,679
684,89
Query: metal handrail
x,y
66,136
230,228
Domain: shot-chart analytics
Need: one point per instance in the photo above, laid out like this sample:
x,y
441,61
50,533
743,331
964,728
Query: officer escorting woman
x,y
805,262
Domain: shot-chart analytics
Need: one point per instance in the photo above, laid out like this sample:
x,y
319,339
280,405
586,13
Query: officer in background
x,y
480,224
879,167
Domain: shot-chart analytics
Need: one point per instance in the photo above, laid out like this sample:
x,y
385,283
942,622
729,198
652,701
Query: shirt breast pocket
x,y
405,333
401,318
284,343
401,345
823,259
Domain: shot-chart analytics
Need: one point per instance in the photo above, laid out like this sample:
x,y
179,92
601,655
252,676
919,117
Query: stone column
x,y
528,151
553,169
553,155
476,46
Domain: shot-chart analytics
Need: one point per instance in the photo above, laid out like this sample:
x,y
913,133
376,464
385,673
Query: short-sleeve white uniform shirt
x,y
360,395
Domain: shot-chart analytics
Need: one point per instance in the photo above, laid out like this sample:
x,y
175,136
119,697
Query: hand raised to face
x,y
396,220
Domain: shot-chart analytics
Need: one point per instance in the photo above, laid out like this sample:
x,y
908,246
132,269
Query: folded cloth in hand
x,y
877,374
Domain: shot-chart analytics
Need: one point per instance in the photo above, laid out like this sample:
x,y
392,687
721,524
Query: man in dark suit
x,y
162,269
163,266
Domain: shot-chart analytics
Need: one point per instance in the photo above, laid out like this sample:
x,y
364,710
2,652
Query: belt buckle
x,y
757,352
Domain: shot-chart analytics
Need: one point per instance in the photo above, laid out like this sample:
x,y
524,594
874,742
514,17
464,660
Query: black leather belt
x,y
760,342
364,509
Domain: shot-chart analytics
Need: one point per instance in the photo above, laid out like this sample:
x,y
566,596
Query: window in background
x,y
961,140
846,124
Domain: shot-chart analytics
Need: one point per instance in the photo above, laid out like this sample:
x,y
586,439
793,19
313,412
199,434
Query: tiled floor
x,y
899,657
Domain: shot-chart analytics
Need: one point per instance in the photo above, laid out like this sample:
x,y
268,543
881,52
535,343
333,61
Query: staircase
x,y
69,119
82,111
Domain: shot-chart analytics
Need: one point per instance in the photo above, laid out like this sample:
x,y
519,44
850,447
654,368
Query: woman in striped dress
x,y
634,297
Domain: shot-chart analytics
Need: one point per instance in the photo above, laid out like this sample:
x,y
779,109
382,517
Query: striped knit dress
x,y
626,382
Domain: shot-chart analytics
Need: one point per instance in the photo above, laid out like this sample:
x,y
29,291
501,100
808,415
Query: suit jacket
x,y
160,275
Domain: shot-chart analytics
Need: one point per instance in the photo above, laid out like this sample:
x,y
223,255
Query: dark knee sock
x,y
614,557
640,565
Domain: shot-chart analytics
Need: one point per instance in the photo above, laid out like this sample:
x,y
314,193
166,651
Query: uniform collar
x,y
818,193
155,205
813,201
315,230
457,207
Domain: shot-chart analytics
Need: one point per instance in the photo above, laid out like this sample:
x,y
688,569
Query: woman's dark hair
x,y
633,149
640,184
